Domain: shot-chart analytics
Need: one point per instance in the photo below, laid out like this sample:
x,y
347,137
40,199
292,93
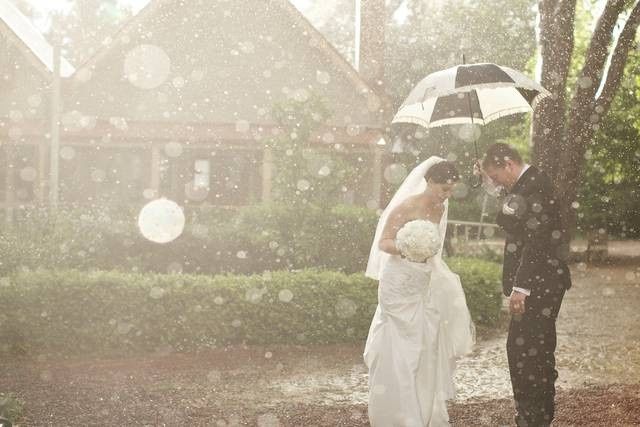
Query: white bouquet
x,y
418,240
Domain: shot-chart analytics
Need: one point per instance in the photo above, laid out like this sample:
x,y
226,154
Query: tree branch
x,y
597,54
619,59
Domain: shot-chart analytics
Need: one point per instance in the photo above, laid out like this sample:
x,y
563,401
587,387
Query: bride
x,y
422,322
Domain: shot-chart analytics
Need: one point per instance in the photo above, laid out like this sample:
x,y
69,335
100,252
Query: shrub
x,y
62,312
11,407
481,281
250,240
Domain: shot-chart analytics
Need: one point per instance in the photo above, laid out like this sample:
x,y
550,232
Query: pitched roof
x,y
226,59
18,27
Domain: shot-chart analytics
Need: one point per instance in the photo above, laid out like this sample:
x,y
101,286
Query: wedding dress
x,y
420,326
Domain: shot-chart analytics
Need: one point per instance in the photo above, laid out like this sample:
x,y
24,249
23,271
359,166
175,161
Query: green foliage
x,y
481,281
435,36
11,407
72,312
609,197
305,173
251,239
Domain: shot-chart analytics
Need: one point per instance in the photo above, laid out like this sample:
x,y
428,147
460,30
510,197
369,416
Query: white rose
x,y
418,240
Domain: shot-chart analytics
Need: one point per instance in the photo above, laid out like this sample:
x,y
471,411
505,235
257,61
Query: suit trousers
x,y
531,345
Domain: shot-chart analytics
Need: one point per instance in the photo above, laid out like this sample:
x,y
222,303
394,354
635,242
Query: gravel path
x,y
598,359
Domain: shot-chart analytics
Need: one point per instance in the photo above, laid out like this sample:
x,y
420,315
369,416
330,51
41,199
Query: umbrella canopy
x,y
474,93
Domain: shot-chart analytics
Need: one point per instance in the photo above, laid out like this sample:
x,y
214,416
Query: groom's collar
x,y
521,178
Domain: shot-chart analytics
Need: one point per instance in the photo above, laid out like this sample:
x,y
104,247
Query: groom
x,y
535,277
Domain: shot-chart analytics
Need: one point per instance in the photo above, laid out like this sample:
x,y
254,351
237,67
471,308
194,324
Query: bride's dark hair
x,y
443,173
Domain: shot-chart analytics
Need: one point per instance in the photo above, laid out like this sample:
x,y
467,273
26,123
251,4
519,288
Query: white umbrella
x,y
470,94
474,93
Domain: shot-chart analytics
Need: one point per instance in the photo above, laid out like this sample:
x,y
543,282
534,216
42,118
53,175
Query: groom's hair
x,y
443,172
497,155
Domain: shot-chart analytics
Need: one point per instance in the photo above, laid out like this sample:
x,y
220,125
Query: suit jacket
x,y
535,248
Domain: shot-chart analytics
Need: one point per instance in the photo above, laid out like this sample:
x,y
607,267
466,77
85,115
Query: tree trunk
x,y
560,138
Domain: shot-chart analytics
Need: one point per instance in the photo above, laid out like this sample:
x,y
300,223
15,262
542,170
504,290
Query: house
x,y
26,72
178,104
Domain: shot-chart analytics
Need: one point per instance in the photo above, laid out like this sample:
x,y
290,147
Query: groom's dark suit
x,y
533,260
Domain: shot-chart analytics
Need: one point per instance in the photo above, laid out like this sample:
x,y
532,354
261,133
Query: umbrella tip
x,y
463,61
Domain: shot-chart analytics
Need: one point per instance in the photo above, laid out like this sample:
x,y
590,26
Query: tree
x,y
565,123
609,197
84,27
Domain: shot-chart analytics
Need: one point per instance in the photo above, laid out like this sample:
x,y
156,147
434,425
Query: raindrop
x,y
174,268
148,193
372,204
178,82
15,133
395,173
156,292
489,231
345,308
268,355
353,130
241,254
303,185
469,132
285,295
575,205
328,137
28,174
268,420
161,221
512,247
323,77
34,100
247,47
173,149
124,328
254,295
214,376
236,323
67,153
83,75
16,115
147,66
460,190
585,82
98,175
242,126
324,171
301,95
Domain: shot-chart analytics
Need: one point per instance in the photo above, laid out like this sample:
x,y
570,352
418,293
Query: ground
x,y
598,360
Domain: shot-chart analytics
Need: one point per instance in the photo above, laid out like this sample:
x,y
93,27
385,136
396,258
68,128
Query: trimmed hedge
x,y
67,312
249,240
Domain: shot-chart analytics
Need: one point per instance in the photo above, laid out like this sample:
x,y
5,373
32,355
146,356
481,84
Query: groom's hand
x,y
517,302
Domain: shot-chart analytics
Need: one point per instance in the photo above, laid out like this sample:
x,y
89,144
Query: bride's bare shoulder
x,y
408,205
